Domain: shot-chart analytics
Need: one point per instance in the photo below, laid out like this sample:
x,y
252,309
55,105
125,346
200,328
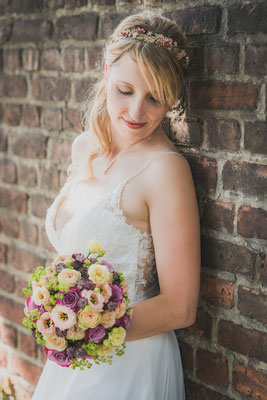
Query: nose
x,y
137,109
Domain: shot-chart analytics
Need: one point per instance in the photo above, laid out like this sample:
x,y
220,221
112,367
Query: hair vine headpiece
x,y
157,38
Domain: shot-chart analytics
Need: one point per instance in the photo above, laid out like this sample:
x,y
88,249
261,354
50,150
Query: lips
x,y
133,124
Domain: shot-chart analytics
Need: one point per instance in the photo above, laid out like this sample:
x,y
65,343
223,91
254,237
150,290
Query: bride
x,y
131,190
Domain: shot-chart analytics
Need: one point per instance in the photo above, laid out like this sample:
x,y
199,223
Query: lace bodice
x,y
127,248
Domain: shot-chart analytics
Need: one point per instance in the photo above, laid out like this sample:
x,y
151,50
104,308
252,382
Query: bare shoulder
x,y
80,144
169,172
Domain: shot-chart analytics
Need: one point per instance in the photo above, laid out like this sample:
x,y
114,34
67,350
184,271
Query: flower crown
x,y
157,38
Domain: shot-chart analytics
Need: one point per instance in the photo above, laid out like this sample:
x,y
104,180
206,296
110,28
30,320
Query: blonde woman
x,y
131,190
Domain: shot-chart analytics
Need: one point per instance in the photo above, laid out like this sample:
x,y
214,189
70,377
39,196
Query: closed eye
x,y
128,93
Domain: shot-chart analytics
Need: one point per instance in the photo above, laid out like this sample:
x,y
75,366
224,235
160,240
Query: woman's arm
x,y
175,227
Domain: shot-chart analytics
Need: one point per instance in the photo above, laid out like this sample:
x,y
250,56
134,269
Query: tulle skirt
x,y
150,369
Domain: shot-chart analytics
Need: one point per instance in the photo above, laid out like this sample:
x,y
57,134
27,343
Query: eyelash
x,y
127,93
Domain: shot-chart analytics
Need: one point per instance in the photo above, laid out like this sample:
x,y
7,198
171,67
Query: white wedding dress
x,y
151,367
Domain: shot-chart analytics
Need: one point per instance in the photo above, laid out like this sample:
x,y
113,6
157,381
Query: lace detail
x,y
128,249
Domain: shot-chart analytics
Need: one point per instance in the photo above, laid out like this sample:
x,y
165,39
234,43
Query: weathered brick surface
x,y
250,382
253,303
77,27
252,222
246,177
217,95
50,52
197,20
223,134
255,138
212,367
249,342
217,291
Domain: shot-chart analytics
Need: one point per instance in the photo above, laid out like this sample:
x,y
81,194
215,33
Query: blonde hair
x,y
165,69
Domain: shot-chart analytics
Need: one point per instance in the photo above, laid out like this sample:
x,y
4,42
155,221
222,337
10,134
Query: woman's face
x,y
129,99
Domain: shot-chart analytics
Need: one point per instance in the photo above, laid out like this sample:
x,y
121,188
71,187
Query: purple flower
x,y
96,334
111,269
117,294
78,257
124,321
80,353
41,309
60,357
71,298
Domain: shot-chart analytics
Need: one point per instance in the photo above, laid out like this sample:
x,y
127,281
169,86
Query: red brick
x,y
5,31
249,381
11,114
72,119
3,253
29,146
252,222
196,57
223,134
204,171
227,256
51,60
249,342
245,177
186,355
77,27
61,151
36,31
39,205
11,310
109,21
247,18
7,281
27,175
52,118
218,95
25,369
45,241
81,87
255,57
50,179
93,58
218,215
198,20
3,140
51,88
8,334
203,325
24,260
9,225
264,269
253,303
24,7
8,171
255,138
217,291
30,59
31,115
223,57
20,284
212,367
27,344
3,357
191,136
195,391
11,59
13,86
13,200
73,60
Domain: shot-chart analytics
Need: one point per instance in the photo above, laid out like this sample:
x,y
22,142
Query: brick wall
x,y
47,54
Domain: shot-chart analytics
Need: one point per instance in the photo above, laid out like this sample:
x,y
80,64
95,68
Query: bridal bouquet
x,y
77,307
